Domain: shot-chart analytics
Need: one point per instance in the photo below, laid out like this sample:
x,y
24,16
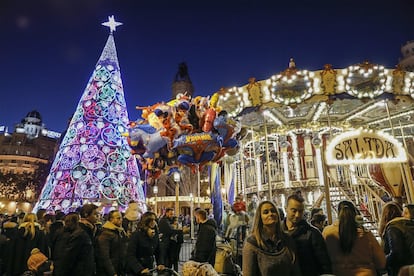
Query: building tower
x,y
407,61
94,162
32,124
182,82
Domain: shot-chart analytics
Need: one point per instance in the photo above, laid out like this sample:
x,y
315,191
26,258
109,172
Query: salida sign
x,y
364,147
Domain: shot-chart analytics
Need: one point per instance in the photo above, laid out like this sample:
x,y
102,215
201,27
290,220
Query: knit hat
x,y
132,213
36,259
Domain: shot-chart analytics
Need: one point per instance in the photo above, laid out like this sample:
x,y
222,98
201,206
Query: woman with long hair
x,y
390,211
268,250
353,250
28,236
399,241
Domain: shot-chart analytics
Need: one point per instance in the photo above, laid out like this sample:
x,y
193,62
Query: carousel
x,y
333,134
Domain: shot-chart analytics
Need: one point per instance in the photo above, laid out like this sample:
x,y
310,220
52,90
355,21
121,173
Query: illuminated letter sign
x,y
364,147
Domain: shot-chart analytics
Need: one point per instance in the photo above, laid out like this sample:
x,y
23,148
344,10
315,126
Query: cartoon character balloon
x,y
187,131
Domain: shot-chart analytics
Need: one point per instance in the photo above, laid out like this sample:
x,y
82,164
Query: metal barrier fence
x,y
186,249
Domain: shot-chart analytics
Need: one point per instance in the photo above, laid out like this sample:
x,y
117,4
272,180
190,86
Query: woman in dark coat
x,y
143,246
28,236
268,250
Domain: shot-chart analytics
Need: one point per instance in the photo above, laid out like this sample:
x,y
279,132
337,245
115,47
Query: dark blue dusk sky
x,y
48,48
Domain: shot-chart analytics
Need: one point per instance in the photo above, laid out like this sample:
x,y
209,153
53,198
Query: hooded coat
x,y
111,250
142,251
205,247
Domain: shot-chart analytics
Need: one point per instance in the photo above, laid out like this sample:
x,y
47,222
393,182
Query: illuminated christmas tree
x,y
94,162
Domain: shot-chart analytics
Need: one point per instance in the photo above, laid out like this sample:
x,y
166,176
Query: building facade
x,y
25,155
30,144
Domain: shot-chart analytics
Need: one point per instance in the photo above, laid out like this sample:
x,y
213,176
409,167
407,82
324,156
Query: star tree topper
x,y
112,24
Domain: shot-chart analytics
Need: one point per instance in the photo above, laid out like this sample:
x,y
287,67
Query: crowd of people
x,y
82,243
290,244
279,241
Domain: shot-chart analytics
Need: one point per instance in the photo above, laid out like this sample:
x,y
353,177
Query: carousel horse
x,y
236,220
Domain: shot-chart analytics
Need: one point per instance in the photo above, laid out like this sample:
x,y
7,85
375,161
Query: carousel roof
x,y
364,95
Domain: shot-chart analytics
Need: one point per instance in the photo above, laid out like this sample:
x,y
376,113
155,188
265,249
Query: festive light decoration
x,y
94,162
365,80
292,87
364,147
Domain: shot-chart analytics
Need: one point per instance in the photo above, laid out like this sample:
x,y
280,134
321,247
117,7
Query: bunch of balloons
x,y
184,131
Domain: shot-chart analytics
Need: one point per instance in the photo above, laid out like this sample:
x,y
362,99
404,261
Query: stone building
x,y
24,154
30,144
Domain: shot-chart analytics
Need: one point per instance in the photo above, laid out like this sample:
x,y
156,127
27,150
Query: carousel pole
x,y
320,161
325,169
269,175
255,164
198,185
241,170
407,172
407,188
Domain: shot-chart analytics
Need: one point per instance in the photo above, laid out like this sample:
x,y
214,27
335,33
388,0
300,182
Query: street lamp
x,y
177,177
155,191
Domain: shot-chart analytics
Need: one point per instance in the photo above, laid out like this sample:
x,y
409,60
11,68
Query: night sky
x,y
48,49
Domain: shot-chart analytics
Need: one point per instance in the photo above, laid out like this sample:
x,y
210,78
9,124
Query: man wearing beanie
x,y
131,218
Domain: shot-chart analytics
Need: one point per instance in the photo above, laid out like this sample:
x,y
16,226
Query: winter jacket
x,y
365,258
10,231
111,250
78,259
54,228
21,247
166,230
175,248
141,252
311,249
3,253
89,228
130,226
205,247
399,244
58,250
280,261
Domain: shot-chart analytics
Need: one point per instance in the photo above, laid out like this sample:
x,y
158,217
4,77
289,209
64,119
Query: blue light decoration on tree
x,y
94,161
